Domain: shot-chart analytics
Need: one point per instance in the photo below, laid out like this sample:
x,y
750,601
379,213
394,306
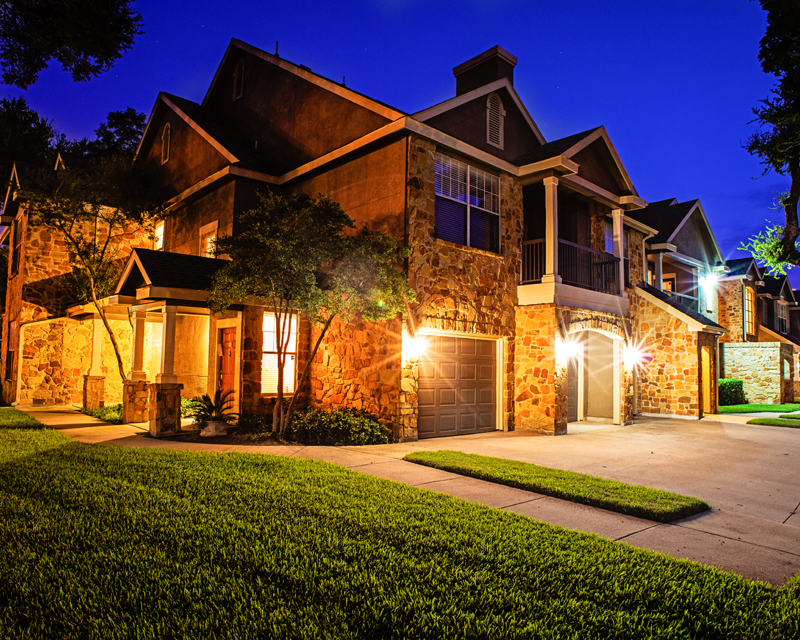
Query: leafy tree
x,y
778,143
293,254
95,206
24,135
86,37
118,135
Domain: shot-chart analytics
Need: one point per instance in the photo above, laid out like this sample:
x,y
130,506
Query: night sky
x,y
674,82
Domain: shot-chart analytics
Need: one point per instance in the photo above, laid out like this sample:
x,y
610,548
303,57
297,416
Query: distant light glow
x,y
708,282
565,349
634,355
413,346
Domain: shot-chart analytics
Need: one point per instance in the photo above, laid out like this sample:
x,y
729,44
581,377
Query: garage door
x,y
457,387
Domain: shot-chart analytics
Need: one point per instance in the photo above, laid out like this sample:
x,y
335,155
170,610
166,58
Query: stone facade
x,y
136,401
767,369
94,392
165,409
731,310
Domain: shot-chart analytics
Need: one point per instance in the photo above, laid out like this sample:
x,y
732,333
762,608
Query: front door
x,y
227,359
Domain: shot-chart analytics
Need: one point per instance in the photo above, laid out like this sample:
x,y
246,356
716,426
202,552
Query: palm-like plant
x,y
205,409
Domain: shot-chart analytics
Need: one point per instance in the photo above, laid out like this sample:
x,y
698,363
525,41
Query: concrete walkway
x,y
748,474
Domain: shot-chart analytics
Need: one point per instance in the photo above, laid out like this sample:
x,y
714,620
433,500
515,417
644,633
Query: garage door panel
x,y
456,387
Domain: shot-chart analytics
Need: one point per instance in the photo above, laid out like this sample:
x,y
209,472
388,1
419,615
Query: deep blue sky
x,y
672,81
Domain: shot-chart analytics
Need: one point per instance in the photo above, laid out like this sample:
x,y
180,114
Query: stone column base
x,y
134,401
165,409
94,392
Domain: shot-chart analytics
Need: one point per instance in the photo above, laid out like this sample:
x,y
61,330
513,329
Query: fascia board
x,y
562,164
132,261
600,132
699,208
582,185
639,226
333,87
147,126
210,139
690,322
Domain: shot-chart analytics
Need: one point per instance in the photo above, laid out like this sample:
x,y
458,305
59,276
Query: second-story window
x,y
781,317
494,121
17,248
608,237
165,144
749,311
467,205
158,237
238,80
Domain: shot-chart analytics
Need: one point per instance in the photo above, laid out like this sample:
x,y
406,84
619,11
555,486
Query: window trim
x,y
294,319
166,135
749,311
156,236
782,317
470,169
16,250
494,99
207,232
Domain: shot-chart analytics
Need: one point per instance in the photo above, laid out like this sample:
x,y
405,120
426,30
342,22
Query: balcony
x,y
578,266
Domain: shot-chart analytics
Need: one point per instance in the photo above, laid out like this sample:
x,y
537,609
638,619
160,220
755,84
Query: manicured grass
x,y
776,422
16,419
111,414
790,416
758,408
112,542
634,500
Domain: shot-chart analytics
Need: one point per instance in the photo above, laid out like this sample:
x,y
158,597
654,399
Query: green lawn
x,y
776,422
634,500
112,413
758,408
113,542
16,419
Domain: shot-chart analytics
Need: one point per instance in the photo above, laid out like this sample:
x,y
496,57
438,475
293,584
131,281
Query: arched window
x,y
165,144
494,121
238,80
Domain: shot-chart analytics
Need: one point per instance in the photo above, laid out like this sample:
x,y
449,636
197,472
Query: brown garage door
x,y
457,387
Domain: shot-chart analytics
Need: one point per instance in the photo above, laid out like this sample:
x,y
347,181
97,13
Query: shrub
x,y
731,391
186,407
255,423
343,426
111,414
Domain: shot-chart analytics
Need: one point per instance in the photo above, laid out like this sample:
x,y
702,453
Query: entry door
x,y
227,359
705,358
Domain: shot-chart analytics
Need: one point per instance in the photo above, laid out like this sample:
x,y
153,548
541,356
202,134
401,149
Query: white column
x,y
97,347
619,246
551,230
139,322
658,271
617,380
167,375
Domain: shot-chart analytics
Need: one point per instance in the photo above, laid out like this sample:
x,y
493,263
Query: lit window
x,y
750,311
269,357
208,236
165,144
494,121
608,237
158,237
781,317
467,205
238,80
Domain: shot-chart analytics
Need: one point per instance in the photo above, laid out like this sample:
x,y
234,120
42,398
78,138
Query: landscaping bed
x,y
100,541
634,500
758,408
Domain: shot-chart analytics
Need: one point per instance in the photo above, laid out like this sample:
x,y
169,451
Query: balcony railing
x,y
577,265
687,301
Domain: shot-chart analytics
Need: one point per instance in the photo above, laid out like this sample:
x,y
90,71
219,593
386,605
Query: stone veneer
x,y
165,409
731,312
459,289
94,392
767,369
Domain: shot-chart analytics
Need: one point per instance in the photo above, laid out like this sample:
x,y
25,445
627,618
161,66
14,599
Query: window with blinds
x,y
749,311
494,121
467,205
269,356
781,317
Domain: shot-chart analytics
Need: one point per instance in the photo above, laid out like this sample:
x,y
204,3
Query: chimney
x,y
483,69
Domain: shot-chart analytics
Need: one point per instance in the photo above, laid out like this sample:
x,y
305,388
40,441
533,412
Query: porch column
x,y
167,375
94,384
97,347
139,322
658,272
551,230
619,246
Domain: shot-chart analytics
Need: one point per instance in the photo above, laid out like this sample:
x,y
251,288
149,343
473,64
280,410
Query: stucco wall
x,y
765,367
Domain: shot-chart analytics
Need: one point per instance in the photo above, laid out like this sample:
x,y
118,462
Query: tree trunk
x,y
791,231
112,337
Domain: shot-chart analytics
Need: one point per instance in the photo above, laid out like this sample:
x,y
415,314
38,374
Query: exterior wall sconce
x,y
565,349
633,355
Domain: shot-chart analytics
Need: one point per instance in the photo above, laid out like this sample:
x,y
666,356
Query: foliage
x,y
293,254
95,204
639,501
776,422
205,409
295,548
343,426
118,135
759,408
767,248
777,143
26,136
111,414
731,391
86,37
186,407
16,419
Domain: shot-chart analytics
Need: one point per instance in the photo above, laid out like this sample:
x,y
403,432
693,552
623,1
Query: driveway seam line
x,y
633,533
719,535
796,509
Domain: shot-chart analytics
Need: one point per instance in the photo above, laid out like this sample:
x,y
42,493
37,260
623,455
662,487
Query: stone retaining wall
x,y
765,367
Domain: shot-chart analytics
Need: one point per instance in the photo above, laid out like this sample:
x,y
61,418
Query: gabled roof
x,y
740,266
694,319
551,149
146,267
453,103
304,72
777,286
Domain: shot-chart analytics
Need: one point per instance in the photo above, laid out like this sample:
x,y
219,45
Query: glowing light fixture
x,y
565,349
708,283
634,355
413,346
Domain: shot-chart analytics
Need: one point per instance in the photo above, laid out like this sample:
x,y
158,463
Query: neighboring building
x,y
529,259
738,301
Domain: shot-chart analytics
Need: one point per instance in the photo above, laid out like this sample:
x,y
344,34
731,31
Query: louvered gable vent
x,y
494,121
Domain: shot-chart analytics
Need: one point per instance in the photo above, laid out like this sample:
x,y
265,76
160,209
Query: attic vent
x,y
494,121
238,80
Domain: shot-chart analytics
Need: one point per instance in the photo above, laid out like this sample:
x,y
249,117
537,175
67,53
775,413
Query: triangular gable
x,y
600,140
694,321
480,92
348,94
697,214
133,275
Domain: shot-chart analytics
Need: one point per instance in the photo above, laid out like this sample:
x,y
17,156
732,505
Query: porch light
x,y
633,355
708,283
413,346
565,349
